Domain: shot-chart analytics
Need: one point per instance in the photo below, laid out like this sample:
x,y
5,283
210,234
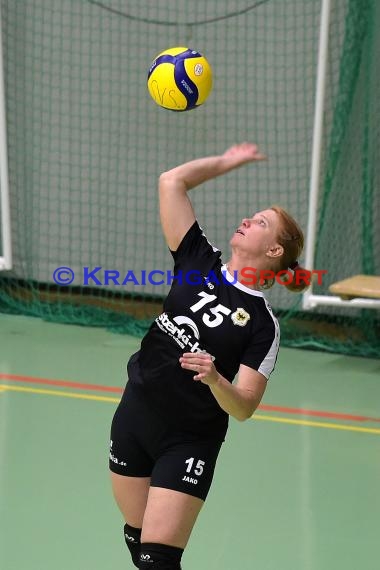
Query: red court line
x,y
116,389
307,412
62,383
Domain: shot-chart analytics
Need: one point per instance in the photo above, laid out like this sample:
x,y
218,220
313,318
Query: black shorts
x,y
144,445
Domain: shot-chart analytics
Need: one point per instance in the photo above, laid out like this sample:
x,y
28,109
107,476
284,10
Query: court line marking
x,y
60,393
118,390
315,424
62,383
307,423
318,413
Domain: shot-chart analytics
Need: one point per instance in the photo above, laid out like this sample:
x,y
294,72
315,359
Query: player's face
x,y
258,234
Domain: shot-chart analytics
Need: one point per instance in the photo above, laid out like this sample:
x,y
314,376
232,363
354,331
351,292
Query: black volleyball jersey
x,y
205,310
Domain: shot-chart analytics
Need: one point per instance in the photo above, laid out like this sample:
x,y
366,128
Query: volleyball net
x,y
86,145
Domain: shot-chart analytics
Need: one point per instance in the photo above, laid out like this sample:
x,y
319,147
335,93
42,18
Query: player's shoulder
x,y
254,298
195,243
264,312
268,312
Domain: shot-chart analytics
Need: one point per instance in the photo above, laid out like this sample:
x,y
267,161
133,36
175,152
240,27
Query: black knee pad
x,y
160,557
132,538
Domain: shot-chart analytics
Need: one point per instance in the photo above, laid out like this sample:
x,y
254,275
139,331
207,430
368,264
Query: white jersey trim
x,y
230,278
215,249
267,366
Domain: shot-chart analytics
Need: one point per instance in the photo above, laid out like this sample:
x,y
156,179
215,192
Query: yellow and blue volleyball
x,y
179,79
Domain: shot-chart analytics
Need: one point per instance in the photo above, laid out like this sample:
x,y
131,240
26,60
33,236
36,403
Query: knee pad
x,y
160,557
132,538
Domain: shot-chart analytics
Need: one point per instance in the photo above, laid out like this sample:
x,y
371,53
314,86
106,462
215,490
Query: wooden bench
x,y
363,286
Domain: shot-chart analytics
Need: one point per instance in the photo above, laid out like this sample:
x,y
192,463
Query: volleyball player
x,y
172,419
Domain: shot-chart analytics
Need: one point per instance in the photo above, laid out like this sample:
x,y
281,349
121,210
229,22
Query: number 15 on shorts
x,y
194,470
198,469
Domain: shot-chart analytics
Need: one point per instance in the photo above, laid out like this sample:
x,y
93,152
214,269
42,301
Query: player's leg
x,y
131,495
169,517
131,467
168,522
181,479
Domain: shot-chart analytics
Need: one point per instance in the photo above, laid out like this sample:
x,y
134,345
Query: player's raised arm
x,y
176,211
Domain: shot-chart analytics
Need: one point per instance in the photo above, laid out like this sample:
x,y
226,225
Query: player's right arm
x,y
176,211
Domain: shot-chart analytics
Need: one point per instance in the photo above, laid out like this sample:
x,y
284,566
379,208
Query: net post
x,y
6,258
307,298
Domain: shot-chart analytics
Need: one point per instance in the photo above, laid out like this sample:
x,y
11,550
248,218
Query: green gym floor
x,y
296,488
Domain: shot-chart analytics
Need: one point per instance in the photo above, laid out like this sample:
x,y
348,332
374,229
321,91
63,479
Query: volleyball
x,y
179,79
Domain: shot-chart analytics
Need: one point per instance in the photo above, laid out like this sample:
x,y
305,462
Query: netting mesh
x,y
86,146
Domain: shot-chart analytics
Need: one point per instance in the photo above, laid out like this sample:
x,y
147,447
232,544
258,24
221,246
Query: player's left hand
x,y
201,363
